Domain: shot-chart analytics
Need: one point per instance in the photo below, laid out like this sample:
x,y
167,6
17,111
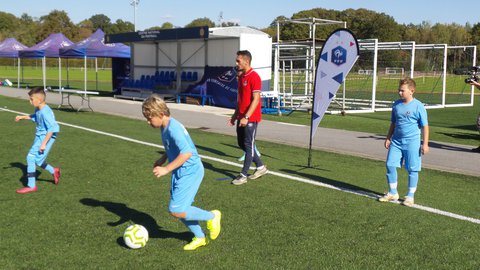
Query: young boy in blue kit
x,y
187,172
408,121
45,135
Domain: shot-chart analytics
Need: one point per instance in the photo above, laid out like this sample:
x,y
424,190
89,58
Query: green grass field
x,y
270,223
74,78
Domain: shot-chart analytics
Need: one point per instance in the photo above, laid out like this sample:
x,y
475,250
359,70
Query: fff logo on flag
x,y
228,76
339,55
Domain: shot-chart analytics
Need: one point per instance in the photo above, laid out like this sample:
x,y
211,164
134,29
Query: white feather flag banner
x,y
337,57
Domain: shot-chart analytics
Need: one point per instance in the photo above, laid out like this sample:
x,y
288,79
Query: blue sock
x,y
194,227
412,183
31,180
49,168
194,213
392,179
31,170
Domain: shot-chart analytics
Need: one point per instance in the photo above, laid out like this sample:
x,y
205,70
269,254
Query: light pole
x,y
134,3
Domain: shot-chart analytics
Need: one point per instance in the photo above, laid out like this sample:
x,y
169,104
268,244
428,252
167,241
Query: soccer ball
x,y
135,236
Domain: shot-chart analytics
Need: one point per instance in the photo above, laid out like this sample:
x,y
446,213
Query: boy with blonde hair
x,y
187,172
45,135
408,121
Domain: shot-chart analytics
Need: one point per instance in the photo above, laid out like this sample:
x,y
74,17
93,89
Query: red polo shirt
x,y
249,83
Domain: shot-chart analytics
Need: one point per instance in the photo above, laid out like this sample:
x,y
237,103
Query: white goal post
x,y
395,71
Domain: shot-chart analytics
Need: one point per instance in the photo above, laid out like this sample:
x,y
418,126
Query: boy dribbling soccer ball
x,y
187,172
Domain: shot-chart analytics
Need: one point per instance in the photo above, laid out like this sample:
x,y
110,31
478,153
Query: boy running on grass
x,y
45,136
408,121
187,172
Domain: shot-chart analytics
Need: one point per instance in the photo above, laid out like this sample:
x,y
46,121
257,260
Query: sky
x,y
256,13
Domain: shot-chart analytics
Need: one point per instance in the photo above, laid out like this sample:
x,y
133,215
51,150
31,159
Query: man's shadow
x,y
338,184
230,174
133,216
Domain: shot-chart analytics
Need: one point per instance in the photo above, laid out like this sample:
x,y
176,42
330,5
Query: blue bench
x,y
208,98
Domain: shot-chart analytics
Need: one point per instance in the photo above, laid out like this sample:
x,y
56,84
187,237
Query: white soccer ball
x,y
135,236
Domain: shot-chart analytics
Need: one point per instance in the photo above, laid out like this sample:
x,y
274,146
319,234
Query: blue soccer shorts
x,y
35,155
405,152
185,184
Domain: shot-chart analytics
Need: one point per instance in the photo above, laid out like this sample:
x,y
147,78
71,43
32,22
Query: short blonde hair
x,y
409,82
154,105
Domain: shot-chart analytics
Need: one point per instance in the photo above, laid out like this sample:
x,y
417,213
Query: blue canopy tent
x,y
94,47
9,49
49,47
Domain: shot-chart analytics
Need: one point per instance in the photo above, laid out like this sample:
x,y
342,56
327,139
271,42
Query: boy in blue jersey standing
x,y
187,172
408,121
45,135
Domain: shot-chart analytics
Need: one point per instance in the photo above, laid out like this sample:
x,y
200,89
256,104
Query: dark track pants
x,y
246,141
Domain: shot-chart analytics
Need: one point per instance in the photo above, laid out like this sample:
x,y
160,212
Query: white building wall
x,y
221,49
260,46
193,54
222,52
167,54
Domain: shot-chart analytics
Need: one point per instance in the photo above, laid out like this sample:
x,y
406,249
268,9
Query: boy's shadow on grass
x,y
375,137
448,147
24,178
127,214
335,183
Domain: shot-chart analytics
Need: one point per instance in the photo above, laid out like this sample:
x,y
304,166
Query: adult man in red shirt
x,y
248,114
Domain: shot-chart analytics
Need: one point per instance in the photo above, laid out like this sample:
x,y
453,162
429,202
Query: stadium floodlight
x,y
134,3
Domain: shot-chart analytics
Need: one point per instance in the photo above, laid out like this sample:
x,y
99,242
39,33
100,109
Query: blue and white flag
x,y
337,57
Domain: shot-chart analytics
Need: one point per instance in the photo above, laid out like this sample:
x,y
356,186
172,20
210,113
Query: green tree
x,y
411,32
441,33
229,24
301,31
26,29
272,28
201,22
370,24
85,29
8,24
165,25
56,22
121,26
271,32
475,33
459,36
26,18
101,21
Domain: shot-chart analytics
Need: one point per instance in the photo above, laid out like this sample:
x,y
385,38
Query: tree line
x,y
363,22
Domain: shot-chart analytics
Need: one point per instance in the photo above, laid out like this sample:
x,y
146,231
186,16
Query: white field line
x,y
282,175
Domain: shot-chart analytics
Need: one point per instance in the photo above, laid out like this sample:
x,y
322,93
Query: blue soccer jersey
x,y
176,140
186,179
45,121
409,119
